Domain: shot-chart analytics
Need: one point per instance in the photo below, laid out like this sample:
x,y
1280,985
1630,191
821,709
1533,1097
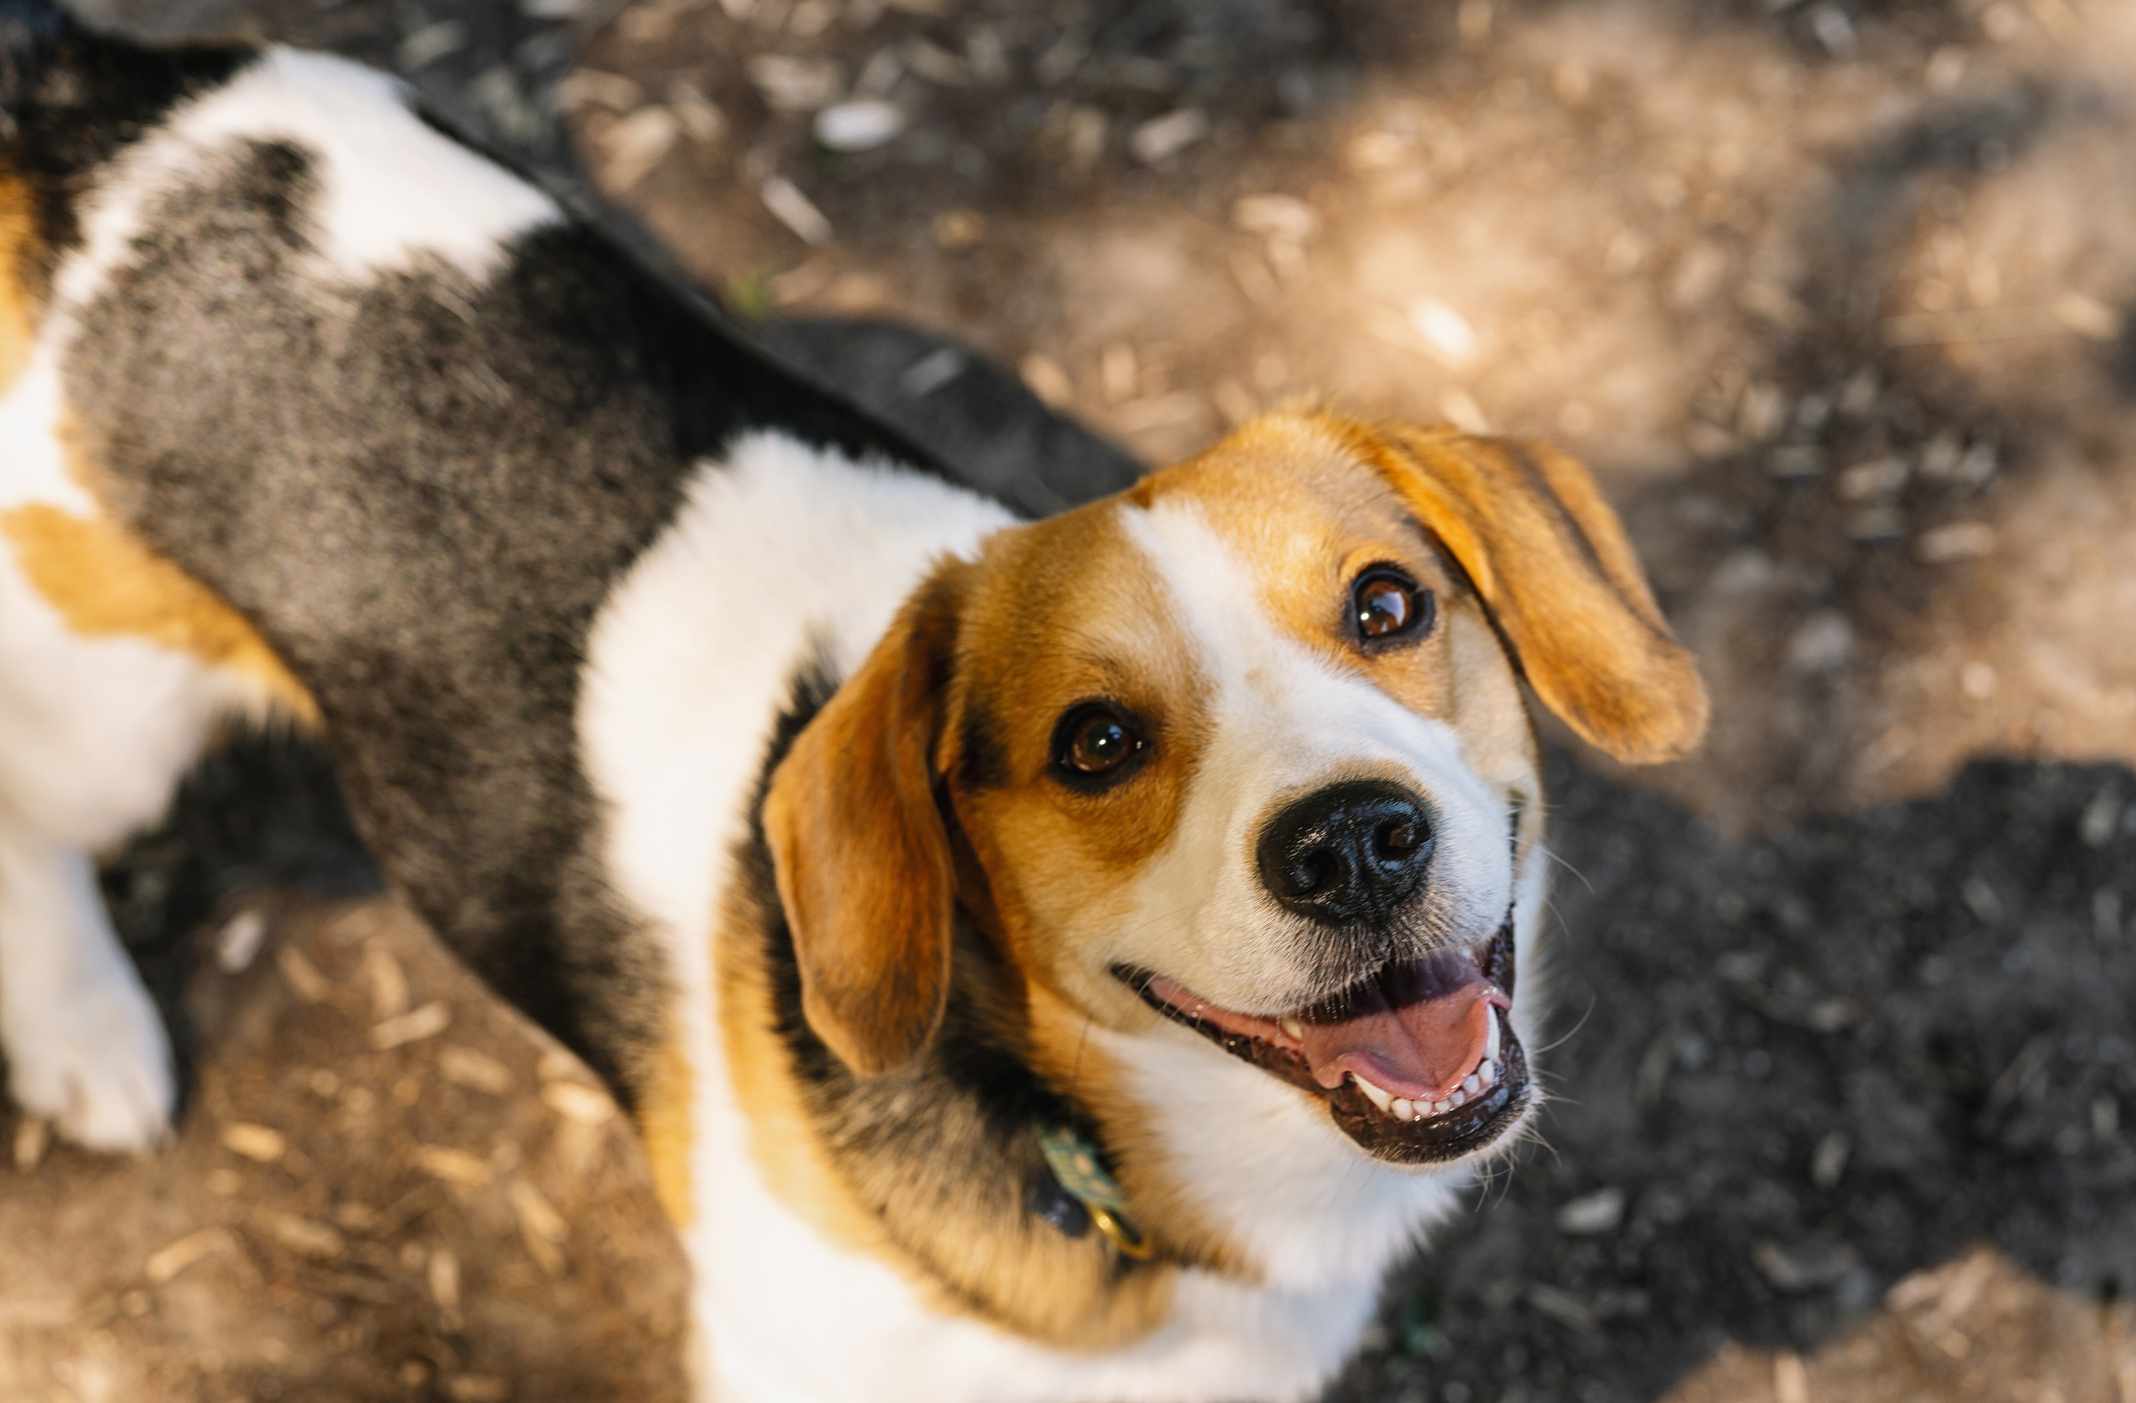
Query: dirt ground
x,y
1838,296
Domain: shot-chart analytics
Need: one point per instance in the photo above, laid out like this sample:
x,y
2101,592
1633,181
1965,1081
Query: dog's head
x,y
1239,755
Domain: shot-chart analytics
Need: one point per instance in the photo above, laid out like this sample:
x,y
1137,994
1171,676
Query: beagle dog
x,y
1058,959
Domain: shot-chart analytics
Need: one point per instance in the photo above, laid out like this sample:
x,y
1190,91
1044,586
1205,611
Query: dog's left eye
x,y
1094,742
1386,604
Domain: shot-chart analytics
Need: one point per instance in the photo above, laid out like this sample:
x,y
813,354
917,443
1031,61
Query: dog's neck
x,y
946,1156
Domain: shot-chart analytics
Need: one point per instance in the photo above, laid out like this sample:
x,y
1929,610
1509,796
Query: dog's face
x,y
1237,755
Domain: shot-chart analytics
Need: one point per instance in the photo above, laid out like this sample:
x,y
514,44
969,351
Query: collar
x,y
1077,1172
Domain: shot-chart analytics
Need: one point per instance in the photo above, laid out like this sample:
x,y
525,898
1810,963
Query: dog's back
x,y
294,384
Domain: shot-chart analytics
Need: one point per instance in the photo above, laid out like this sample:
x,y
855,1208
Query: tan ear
x,y
859,846
1554,568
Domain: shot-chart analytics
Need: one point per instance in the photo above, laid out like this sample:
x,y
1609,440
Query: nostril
x,y
1309,872
1396,839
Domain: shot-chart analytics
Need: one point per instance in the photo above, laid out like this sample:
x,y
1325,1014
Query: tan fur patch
x,y
106,584
1307,519
19,304
667,1121
1069,612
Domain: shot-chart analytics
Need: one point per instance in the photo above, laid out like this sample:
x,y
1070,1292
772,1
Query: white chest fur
x,y
782,550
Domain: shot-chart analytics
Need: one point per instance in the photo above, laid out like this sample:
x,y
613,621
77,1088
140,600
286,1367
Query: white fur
x,y
392,191
94,735
33,469
781,548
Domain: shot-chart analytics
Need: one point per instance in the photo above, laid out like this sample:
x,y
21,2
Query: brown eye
x,y
1387,605
1094,742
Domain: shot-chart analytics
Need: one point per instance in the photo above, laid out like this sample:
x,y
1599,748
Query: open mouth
x,y
1418,1063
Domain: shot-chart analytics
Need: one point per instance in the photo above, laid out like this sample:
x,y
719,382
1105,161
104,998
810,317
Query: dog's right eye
x,y
1095,742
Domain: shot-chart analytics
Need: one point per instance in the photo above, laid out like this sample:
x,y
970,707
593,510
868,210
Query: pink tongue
x,y
1420,1050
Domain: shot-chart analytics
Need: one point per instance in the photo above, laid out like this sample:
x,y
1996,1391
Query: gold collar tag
x,y
1074,1162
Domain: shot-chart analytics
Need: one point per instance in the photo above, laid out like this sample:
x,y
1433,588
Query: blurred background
x,y
1838,297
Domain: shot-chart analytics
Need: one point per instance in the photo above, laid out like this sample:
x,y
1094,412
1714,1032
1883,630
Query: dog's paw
x,y
96,1063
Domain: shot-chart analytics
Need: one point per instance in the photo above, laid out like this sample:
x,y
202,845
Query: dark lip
x,y
1439,1140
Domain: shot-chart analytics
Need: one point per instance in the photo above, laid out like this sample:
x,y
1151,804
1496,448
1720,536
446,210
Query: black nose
x,y
1350,852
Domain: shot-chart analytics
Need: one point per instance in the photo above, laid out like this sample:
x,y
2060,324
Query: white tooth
x,y
1488,1074
1440,1108
1378,1096
1473,1084
1404,1110
1459,1098
1292,1028
1490,1039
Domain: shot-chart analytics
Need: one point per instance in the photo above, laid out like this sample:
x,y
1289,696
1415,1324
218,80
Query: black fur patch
x,y
71,100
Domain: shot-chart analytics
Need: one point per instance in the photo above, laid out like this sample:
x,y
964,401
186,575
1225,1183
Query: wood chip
x,y
1791,1381
1047,380
701,118
796,211
792,84
389,985
238,943
590,86
1276,216
2087,316
1959,540
958,229
937,64
477,1071
431,43
638,143
477,1388
444,1277
540,1225
860,125
303,976
1162,138
1592,1214
33,1136
1445,331
305,1236
1159,412
1879,477
166,1262
574,1100
425,1022
357,1217
261,1143
1117,371
456,1167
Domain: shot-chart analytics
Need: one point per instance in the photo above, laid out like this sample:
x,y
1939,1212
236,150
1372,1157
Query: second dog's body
x,y
1047,961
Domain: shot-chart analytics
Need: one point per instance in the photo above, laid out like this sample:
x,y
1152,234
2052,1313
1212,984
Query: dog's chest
x,y
785,1315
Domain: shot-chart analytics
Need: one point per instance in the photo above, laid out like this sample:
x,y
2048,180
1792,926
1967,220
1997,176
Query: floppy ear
x,y
1554,568
860,849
